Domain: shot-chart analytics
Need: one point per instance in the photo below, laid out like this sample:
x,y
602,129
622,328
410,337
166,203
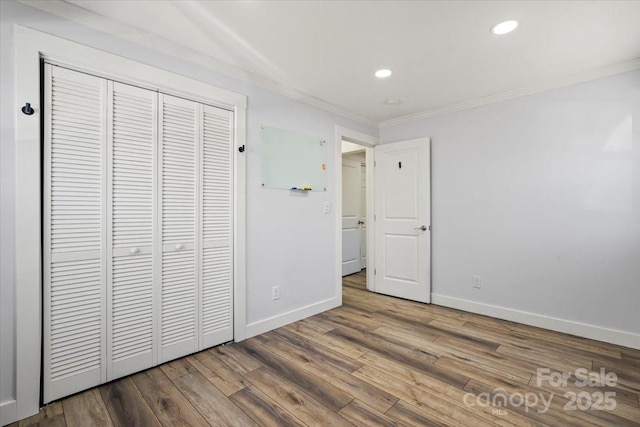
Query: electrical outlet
x,y
275,293
476,282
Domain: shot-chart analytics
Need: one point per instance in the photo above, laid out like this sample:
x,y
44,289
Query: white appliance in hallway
x,y
353,213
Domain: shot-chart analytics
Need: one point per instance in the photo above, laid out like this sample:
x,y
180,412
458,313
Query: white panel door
x,y
350,216
363,216
216,260
402,223
132,227
74,225
179,136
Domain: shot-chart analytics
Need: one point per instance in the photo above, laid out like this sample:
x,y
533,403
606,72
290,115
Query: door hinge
x,y
429,227
375,272
375,163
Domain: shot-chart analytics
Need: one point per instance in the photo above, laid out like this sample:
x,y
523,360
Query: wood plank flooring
x,y
374,361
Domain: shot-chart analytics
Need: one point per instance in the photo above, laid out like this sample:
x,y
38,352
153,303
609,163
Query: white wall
x,y
540,196
7,193
290,242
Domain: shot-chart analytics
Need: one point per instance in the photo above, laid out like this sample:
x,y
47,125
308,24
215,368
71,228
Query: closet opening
x,y
31,345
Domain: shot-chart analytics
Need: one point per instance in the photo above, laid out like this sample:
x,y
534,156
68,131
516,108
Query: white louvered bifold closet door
x,y
74,268
179,151
138,229
216,260
131,311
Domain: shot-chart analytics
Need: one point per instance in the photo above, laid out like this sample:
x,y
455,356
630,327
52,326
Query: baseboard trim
x,y
8,412
613,336
266,325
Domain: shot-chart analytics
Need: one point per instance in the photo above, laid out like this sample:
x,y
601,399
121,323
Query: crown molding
x,y
609,70
150,41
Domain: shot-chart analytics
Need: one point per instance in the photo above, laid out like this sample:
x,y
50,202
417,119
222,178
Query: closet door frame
x,y
32,47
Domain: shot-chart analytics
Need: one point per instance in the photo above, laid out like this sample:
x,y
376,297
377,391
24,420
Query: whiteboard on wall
x,y
293,161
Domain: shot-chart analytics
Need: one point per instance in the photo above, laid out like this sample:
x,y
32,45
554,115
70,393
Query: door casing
x,y
368,142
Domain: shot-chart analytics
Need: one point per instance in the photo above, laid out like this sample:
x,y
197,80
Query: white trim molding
x,y
612,336
31,47
150,41
275,322
8,412
610,70
356,137
28,251
240,225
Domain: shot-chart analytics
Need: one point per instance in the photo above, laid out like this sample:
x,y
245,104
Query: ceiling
x,y
441,53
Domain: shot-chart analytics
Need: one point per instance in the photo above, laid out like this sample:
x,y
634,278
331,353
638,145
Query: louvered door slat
x,y
74,221
216,255
132,185
178,160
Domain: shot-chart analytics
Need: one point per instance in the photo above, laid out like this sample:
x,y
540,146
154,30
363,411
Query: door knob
x,y
179,246
134,251
423,228
361,222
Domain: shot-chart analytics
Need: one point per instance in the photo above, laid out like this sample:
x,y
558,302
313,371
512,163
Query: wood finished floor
x,y
376,360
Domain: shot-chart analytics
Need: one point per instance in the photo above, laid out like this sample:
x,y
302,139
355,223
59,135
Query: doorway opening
x,y
355,142
354,215
397,239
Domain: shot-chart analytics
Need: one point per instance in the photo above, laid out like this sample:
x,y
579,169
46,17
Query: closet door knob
x,y
179,246
134,251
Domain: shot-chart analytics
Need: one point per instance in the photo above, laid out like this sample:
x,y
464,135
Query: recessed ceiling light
x,y
504,27
383,74
393,102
